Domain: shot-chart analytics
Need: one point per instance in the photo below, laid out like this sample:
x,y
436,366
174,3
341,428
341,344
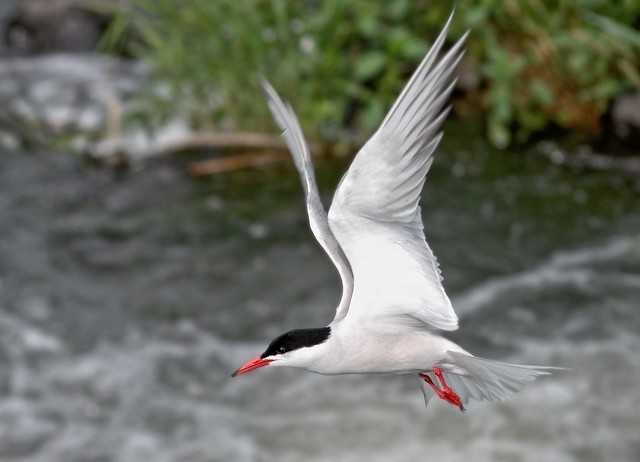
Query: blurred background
x,y
153,235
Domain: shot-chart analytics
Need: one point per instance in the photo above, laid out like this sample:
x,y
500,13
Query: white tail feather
x,y
483,379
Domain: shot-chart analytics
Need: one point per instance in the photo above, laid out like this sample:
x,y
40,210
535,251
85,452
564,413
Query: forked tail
x,y
483,379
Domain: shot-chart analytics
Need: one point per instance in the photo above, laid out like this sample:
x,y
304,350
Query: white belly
x,y
367,352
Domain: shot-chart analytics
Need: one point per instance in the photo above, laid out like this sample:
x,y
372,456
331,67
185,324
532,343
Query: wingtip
x,y
277,107
451,15
463,38
266,87
447,25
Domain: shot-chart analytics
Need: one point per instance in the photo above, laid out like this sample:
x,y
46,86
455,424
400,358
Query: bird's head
x,y
293,348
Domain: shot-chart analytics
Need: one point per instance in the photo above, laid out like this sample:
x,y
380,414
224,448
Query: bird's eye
x,y
282,350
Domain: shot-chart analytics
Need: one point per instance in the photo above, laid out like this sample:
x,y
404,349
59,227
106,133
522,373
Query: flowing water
x,y
127,300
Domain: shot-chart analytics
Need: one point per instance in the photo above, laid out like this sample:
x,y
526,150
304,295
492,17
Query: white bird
x,y
393,302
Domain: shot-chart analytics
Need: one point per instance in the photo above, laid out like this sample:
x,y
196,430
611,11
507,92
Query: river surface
x,y
127,300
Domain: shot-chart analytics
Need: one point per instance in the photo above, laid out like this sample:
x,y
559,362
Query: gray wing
x,y
375,215
286,119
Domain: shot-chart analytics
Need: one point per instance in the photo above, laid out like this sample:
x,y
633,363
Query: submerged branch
x,y
230,141
234,162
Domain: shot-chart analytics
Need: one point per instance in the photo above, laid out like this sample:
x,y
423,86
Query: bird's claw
x,y
447,394
450,396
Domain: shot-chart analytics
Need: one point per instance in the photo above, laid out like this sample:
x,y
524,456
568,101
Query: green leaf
x,y
399,9
369,64
614,27
541,92
373,114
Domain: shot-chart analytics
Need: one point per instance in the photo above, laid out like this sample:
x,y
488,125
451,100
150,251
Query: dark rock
x,y
7,12
625,118
44,26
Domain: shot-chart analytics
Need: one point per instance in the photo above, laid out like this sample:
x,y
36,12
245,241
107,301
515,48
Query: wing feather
x,y
375,214
286,119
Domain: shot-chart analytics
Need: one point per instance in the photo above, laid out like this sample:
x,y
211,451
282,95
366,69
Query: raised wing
x,y
288,122
375,214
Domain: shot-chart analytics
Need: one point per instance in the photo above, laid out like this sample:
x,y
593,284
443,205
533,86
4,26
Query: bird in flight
x,y
393,304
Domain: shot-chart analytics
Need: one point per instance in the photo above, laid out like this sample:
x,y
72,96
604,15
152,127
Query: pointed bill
x,y
252,365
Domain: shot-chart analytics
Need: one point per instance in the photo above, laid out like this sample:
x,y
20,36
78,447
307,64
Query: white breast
x,y
361,350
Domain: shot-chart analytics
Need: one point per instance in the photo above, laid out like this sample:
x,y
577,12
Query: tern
x,y
393,304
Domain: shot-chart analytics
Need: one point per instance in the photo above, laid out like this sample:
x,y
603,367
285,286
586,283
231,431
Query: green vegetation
x,y
342,62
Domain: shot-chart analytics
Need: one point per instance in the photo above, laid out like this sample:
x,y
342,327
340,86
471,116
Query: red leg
x,y
446,393
427,379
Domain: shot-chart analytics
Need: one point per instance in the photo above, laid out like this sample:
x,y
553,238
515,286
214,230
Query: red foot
x,y
446,393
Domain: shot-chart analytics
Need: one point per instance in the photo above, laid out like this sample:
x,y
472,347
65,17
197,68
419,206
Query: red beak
x,y
255,363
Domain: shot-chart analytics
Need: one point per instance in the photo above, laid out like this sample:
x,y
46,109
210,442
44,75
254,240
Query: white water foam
x,y
167,396
562,269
